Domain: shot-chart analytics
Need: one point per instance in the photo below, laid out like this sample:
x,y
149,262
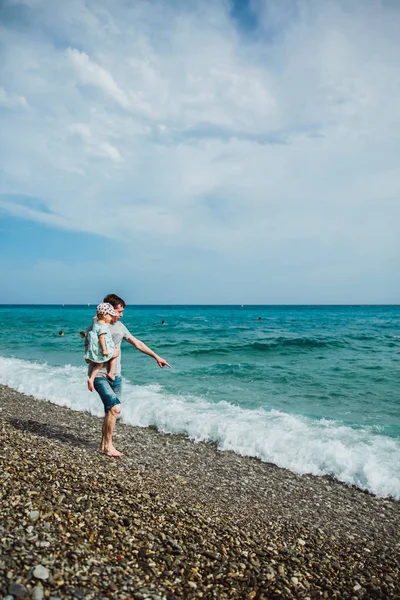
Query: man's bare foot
x,y
112,452
90,385
111,376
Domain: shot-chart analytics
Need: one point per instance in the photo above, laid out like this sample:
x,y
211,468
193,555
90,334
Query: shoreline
x,y
186,520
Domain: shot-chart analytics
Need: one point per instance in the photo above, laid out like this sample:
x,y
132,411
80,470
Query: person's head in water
x,y
60,333
82,334
162,322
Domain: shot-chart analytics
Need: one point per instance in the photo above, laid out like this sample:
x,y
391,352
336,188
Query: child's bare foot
x,y
90,385
111,376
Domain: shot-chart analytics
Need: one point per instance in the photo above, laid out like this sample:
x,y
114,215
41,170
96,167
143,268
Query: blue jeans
x,y
108,391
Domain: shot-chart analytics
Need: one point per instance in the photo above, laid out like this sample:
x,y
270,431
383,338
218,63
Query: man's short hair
x,y
114,300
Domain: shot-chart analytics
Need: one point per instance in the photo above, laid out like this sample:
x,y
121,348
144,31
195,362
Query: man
x,y
110,391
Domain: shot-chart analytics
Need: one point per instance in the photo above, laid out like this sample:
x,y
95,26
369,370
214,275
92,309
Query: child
x,y
100,347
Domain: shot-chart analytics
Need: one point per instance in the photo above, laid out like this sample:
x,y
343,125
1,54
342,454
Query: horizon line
x,y
90,304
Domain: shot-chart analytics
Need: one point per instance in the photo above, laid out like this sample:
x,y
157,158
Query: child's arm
x,y
102,342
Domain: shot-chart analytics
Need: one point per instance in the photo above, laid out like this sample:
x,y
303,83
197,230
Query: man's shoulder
x,y
119,327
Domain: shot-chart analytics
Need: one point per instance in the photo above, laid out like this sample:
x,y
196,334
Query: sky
x,y
200,151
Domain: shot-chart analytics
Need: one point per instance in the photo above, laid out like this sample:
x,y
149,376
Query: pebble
x,y
34,515
41,572
17,590
37,593
301,542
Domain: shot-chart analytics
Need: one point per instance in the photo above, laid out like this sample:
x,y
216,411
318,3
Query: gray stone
x,y
34,515
41,572
17,589
38,593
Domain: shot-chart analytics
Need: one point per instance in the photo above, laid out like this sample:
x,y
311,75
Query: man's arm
x,y
146,350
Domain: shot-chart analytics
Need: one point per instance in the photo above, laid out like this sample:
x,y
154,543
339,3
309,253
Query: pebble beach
x,y
176,519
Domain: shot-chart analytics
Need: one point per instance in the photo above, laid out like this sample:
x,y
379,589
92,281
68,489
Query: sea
x,y
313,389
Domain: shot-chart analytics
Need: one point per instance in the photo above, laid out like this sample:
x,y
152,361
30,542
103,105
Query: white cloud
x,y
93,146
92,74
110,152
279,142
13,101
82,130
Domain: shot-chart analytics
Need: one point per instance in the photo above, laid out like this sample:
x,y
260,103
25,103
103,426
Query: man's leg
x,y
109,391
110,418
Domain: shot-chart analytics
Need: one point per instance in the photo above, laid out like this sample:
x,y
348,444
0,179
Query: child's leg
x,y
93,373
111,365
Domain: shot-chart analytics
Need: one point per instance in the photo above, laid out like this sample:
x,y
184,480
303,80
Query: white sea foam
x,y
357,457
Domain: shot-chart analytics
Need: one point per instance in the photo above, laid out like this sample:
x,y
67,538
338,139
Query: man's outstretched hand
x,y
162,362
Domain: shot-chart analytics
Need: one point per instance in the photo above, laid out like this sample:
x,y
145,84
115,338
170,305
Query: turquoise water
x,y
314,389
